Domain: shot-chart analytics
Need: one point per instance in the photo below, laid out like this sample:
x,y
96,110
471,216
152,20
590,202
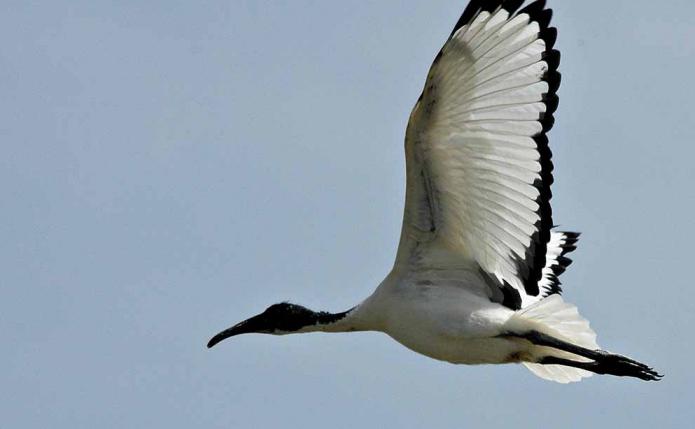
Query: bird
x,y
476,274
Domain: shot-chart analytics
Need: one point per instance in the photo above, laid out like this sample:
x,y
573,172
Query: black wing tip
x,y
554,79
547,121
470,12
475,7
546,160
491,6
536,255
512,6
563,262
571,239
536,11
567,248
549,36
533,9
552,101
552,58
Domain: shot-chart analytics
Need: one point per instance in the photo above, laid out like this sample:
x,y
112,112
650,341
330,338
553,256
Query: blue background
x,y
169,168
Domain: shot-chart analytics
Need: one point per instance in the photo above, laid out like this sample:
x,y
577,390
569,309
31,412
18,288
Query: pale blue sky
x,y
169,168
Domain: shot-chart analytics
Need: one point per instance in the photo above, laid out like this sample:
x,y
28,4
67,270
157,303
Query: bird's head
x,y
278,319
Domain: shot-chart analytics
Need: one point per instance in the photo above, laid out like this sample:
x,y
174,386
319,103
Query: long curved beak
x,y
252,325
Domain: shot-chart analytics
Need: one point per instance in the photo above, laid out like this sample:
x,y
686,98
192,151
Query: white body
x,y
439,314
446,315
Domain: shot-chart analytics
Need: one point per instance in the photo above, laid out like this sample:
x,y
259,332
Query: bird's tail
x,y
559,319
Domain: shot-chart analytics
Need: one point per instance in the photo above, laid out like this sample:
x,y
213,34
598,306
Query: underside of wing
x,y
479,165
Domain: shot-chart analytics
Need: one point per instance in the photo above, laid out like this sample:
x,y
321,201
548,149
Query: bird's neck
x,y
323,321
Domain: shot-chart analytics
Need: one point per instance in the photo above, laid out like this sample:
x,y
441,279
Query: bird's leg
x,y
545,340
603,362
617,368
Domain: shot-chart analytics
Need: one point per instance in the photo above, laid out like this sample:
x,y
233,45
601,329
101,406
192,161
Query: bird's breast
x,y
448,323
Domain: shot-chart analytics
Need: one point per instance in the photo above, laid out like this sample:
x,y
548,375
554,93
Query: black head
x,y
278,319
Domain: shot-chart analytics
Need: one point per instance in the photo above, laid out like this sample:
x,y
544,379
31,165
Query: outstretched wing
x,y
478,163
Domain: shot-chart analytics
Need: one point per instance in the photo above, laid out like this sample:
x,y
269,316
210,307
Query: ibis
x,y
476,274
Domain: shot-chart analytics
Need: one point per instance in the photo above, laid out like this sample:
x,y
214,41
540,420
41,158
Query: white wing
x,y
478,162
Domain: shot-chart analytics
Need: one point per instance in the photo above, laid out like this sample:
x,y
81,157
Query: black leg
x,y
617,368
604,362
541,339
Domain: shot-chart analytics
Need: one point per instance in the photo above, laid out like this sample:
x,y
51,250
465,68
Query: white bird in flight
x,y
475,279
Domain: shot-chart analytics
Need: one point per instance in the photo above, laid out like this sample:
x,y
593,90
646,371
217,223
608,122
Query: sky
x,y
171,168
